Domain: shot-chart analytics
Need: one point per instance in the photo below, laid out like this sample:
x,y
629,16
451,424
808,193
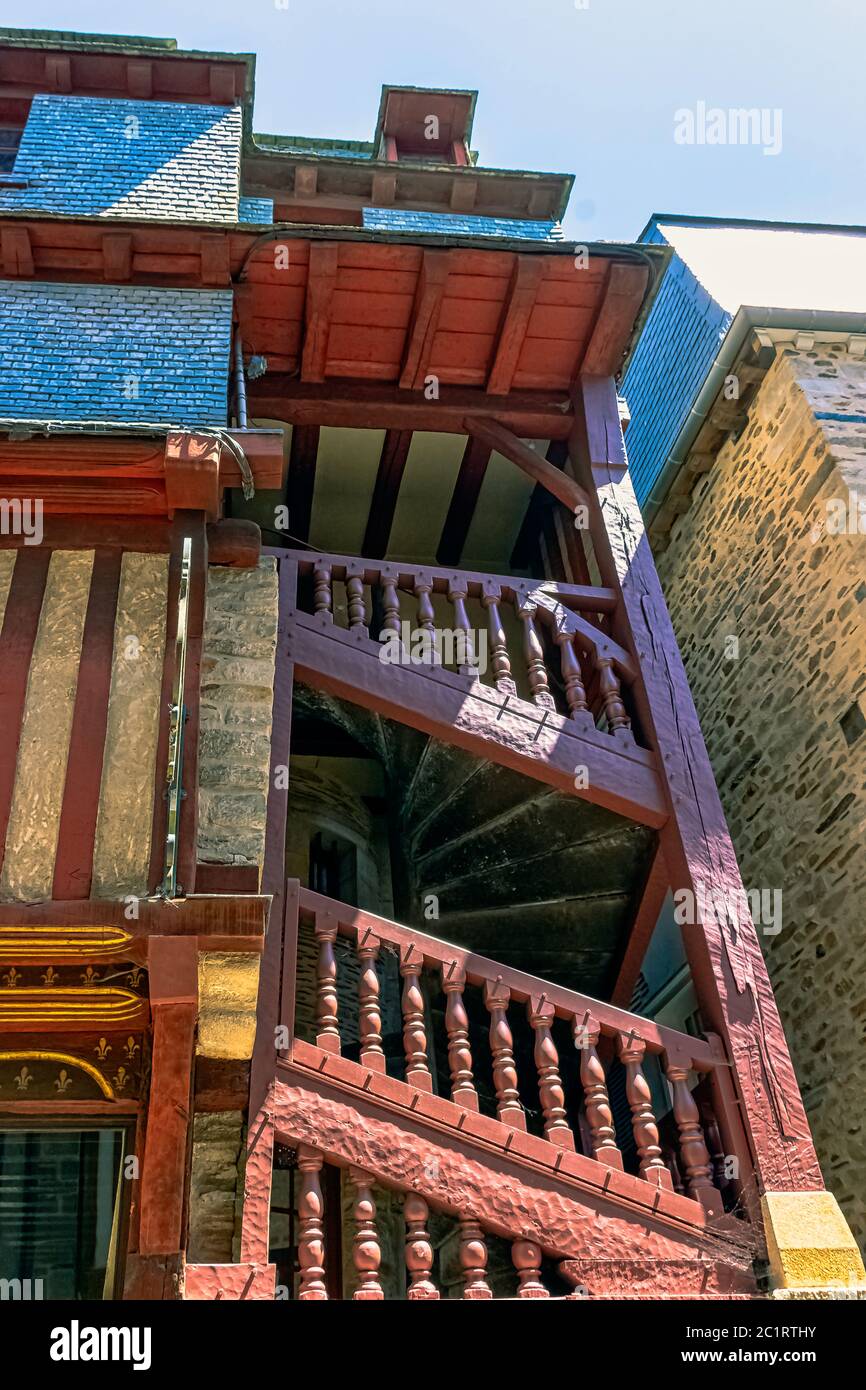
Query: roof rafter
x,y
429,293
520,301
317,309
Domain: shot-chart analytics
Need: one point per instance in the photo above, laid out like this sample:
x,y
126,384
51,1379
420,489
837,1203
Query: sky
x,y
618,92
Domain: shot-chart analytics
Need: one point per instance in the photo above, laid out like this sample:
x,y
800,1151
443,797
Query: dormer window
x,y
425,125
10,139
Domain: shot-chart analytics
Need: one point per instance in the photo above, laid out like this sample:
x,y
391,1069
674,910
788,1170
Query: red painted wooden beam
x,y
505,442
530,414
317,314
429,293
173,983
626,287
522,294
727,964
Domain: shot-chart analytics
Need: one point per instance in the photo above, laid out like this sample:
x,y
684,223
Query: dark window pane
x,y
58,1208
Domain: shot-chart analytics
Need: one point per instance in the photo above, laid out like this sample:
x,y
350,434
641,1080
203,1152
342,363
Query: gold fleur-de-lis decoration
x,y
120,1079
11,978
50,977
63,1082
133,979
89,976
23,1079
131,1047
102,1049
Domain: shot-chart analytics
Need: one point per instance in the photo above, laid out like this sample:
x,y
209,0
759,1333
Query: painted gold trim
x,y
27,1055
45,944
102,1004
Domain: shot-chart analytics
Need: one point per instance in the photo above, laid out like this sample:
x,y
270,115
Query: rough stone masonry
x,y
758,558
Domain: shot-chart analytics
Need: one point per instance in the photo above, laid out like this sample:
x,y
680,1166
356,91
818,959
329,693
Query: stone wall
x,y
237,686
769,606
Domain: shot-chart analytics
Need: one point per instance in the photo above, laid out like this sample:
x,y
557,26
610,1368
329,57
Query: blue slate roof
x,y
679,342
456,224
108,157
109,352
256,210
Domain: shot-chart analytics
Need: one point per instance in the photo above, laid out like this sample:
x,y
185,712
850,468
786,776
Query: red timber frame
x,y
161,940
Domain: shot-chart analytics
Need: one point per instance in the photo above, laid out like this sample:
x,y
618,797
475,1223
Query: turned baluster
x,y
426,618
414,1030
322,599
457,592
311,1236
357,601
575,693
499,658
457,1027
533,652
473,1259
366,1251
327,1020
526,1258
599,1115
390,604
643,1121
369,1013
611,698
693,1150
508,1107
419,1251
551,1094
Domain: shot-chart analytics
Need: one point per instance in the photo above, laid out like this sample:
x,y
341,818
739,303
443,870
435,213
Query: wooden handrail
x,y
584,597
478,970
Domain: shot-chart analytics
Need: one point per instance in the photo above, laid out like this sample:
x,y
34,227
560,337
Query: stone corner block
x,y
810,1246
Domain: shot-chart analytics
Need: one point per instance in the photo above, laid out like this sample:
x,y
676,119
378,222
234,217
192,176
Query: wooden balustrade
x,y
420,1257
588,1020
553,656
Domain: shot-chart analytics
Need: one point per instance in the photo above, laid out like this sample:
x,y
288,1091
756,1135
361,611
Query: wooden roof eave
x,y
260,166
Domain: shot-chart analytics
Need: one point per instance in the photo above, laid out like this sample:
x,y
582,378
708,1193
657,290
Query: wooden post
x,y
727,964
173,981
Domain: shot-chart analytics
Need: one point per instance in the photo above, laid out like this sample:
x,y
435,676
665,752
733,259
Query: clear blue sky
x,y
591,91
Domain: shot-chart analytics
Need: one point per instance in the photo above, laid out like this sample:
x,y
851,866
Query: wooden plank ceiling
x,y
360,334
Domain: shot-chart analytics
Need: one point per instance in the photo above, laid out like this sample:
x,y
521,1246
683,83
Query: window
x,y
10,139
60,1199
334,868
